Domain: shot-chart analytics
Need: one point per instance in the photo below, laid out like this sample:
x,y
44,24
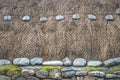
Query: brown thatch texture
x,y
53,40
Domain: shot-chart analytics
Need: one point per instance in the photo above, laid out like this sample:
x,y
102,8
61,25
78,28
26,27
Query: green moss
x,y
49,68
11,68
92,68
113,69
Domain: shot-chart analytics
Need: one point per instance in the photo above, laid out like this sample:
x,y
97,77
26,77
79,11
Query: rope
x,y
26,7
12,6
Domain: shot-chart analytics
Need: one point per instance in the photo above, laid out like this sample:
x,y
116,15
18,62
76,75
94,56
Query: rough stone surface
x,y
53,63
109,17
43,19
31,78
79,62
13,74
94,63
7,18
112,76
21,61
76,16
36,60
27,72
92,17
67,61
55,74
42,74
117,72
96,73
4,61
81,73
26,18
4,77
117,11
68,74
66,69
112,62
59,17
27,78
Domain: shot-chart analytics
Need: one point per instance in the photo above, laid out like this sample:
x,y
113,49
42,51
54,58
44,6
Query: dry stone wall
x,y
38,69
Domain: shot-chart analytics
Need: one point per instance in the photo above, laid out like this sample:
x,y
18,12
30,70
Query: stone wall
x,y
79,69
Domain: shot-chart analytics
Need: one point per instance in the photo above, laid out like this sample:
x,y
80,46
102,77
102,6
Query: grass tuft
x,y
113,69
49,68
92,68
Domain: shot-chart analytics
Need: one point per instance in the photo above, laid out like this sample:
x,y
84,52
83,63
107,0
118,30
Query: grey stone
x,y
36,60
81,73
28,72
99,78
96,73
55,74
67,61
21,78
66,69
117,72
117,11
112,62
92,17
21,61
53,63
4,77
42,74
27,78
31,78
13,74
7,18
68,74
31,67
4,61
109,17
79,62
43,19
76,16
77,68
112,76
81,78
59,17
94,63
26,18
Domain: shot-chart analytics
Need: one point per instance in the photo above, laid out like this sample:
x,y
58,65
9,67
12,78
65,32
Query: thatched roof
x,y
53,39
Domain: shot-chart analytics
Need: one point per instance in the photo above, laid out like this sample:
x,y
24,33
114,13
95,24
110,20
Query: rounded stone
x,y
67,61
94,63
96,73
68,74
36,60
7,18
4,62
26,18
112,62
76,16
59,17
21,61
4,77
42,74
53,63
79,62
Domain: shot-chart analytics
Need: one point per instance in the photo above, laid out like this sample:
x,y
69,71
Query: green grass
x,y
91,68
11,68
113,69
49,68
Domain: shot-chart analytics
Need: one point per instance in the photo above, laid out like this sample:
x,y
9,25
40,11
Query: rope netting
x,y
40,8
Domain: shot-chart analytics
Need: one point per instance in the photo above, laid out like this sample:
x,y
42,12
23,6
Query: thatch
x,y
53,40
